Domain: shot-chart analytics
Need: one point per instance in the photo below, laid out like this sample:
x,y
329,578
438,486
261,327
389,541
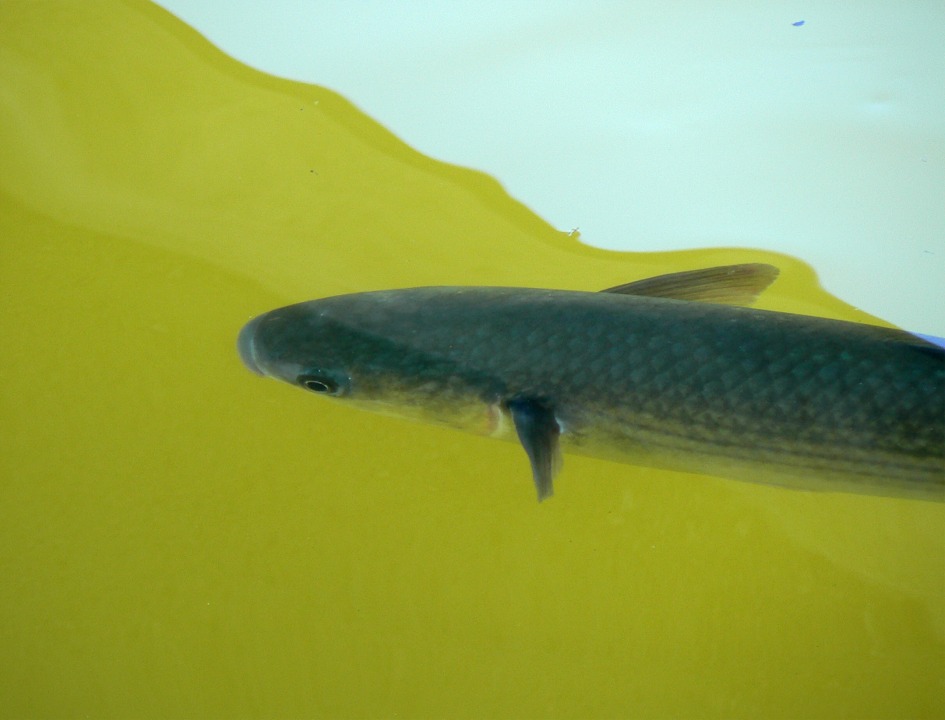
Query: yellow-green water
x,y
181,539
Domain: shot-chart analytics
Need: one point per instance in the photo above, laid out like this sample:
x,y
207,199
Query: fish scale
x,y
694,386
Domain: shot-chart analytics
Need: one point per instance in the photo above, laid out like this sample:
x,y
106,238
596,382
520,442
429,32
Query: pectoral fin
x,y
538,432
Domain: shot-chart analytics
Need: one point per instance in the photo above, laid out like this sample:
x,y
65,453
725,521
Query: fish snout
x,y
246,345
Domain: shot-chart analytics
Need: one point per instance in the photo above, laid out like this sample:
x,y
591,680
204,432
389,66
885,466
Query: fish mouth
x,y
246,345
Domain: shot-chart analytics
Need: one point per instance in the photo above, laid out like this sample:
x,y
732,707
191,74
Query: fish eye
x,y
321,384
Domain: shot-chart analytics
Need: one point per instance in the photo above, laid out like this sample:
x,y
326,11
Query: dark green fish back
x,y
702,383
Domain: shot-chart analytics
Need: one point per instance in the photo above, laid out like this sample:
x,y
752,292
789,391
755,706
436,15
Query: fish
x,y
675,372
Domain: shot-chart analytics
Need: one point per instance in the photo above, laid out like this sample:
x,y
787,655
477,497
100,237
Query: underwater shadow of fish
x,y
668,372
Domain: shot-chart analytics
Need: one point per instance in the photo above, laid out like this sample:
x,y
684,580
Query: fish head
x,y
301,348
362,349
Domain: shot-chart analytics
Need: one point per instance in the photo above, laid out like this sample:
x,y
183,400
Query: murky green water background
x,y
181,539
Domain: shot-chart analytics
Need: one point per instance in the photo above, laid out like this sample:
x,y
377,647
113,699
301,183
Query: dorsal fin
x,y
723,285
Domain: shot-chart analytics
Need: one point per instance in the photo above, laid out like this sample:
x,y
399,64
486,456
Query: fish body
x,y
646,373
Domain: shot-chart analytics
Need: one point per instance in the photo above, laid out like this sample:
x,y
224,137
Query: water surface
x,y
180,538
